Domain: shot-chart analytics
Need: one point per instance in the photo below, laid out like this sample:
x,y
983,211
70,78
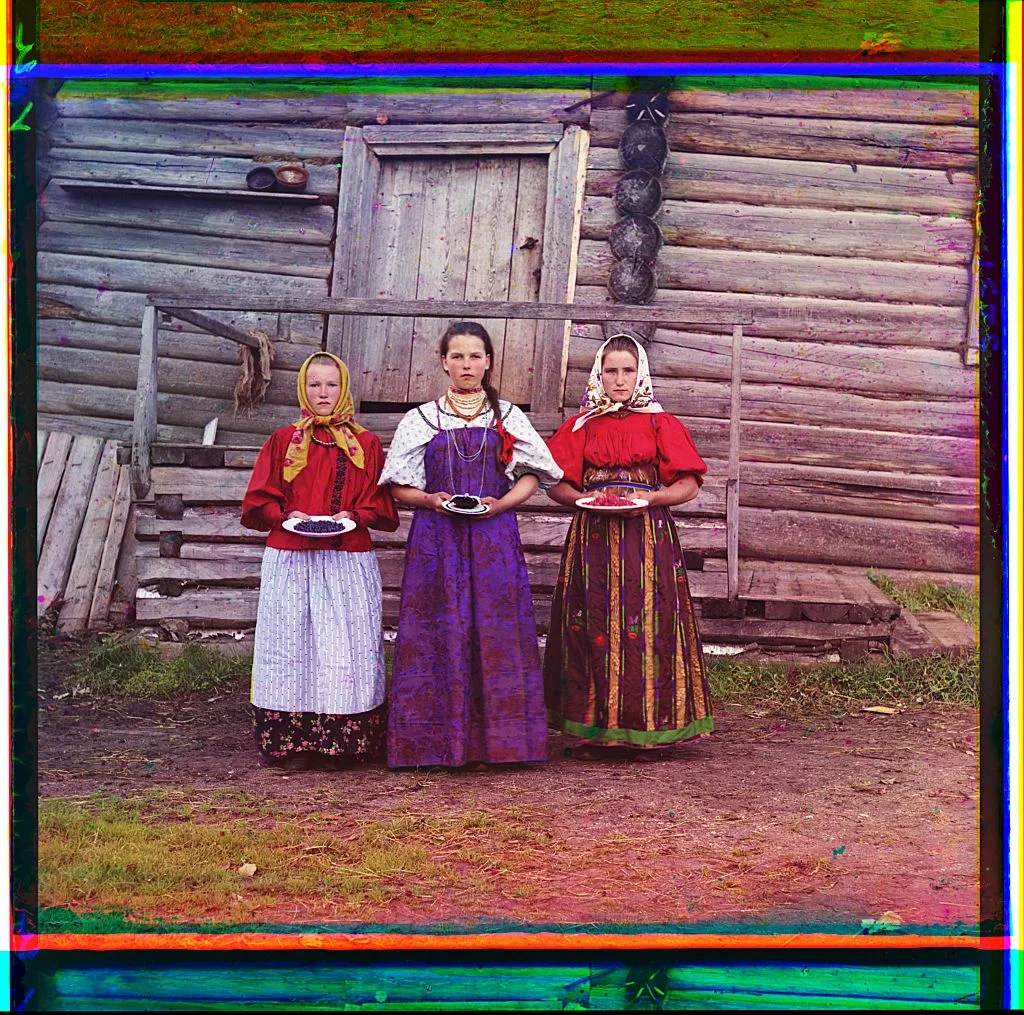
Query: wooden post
x,y
144,428
732,487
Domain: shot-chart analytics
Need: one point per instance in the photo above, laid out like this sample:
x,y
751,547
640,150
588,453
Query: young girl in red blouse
x,y
318,661
623,665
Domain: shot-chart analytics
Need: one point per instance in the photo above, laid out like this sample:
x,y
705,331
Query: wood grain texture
x,y
199,171
892,105
80,587
931,239
120,242
144,418
746,271
825,140
417,107
66,519
176,213
815,318
755,181
51,470
99,608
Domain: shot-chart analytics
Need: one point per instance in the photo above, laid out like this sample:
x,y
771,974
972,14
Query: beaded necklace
x,y
467,458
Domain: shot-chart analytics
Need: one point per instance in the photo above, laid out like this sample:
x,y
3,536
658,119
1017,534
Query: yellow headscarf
x,y
341,423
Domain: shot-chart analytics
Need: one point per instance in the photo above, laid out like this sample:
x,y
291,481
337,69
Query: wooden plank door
x,y
492,216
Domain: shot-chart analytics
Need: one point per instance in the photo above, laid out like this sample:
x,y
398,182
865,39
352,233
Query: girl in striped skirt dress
x,y
623,665
318,662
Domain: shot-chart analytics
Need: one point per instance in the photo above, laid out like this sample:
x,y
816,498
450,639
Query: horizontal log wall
x,y
843,222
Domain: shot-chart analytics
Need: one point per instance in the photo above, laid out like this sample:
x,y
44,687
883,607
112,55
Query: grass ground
x,y
85,31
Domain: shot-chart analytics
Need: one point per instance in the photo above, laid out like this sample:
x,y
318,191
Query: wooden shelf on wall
x,y
145,188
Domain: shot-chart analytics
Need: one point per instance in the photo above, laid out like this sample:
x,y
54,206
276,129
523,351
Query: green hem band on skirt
x,y
641,738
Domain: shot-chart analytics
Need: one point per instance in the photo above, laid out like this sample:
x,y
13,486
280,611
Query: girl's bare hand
x,y
493,505
435,500
298,514
343,516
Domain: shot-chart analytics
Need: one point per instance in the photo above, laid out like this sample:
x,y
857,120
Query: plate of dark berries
x,y
465,504
319,526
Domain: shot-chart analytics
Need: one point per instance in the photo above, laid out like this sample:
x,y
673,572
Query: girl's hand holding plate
x,y
301,515
343,516
435,501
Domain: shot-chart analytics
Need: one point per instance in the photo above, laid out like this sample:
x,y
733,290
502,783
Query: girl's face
x,y
618,375
323,387
466,361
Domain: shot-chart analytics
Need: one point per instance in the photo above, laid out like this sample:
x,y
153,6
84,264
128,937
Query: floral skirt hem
x,y
279,734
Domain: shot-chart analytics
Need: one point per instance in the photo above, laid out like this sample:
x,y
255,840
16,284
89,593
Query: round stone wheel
x,y
643,146
635,237
632,281
638,193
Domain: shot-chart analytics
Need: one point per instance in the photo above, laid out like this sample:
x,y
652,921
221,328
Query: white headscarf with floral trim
x,y
596,401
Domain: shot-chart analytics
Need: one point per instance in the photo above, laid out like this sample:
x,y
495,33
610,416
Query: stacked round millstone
x,y
635,238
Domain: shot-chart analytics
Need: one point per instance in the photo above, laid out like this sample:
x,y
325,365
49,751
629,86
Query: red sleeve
x,y
677,454
566,448
263,504
373,505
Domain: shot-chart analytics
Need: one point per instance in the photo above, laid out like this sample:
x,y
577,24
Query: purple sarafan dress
x,y
467,684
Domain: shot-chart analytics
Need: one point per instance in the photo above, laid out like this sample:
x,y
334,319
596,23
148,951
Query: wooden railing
x,y
188,307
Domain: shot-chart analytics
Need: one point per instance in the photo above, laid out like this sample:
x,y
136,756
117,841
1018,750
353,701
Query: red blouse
x,y
623,438
269,499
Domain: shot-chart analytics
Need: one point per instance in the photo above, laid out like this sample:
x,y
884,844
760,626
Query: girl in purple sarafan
x,y
467,685
318,661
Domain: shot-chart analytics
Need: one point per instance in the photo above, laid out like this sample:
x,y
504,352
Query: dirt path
x,y
818,823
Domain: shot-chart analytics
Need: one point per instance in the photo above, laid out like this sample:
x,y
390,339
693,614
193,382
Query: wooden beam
x,y
972,341
144,428
732,489
213,327
666,313
464,139
142,188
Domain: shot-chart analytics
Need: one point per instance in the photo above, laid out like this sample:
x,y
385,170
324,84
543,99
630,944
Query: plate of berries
x,y
465,504
611,502
319,526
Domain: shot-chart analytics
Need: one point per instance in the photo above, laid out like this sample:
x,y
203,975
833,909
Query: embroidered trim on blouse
x,y
340,470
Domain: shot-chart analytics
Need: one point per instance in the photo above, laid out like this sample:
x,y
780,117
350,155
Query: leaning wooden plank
x,y
147,244
930,239
41,436
51,469
832,366
81,584
279,142
148,276
174,344
66,519
814,318
780,137
422,105
848,278
732,491
781,403
198,172
226,607
889,105
758,182
99,608
176,213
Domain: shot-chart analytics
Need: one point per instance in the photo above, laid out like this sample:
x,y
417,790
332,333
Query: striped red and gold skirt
x,y
623,663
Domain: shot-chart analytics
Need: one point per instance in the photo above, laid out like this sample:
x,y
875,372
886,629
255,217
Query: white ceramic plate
x,y
348,524
480,509
587,502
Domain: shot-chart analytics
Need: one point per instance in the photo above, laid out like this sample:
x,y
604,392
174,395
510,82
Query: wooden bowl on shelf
x,y
261,179
292,178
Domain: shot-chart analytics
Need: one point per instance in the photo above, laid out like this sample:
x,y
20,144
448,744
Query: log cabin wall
x,y
844,222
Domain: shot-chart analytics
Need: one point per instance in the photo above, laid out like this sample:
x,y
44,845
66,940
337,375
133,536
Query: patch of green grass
x,y
836,686
956,599
128,667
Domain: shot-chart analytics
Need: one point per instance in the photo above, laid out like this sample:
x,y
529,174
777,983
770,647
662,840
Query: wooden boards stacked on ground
x,y
83,500
843,222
